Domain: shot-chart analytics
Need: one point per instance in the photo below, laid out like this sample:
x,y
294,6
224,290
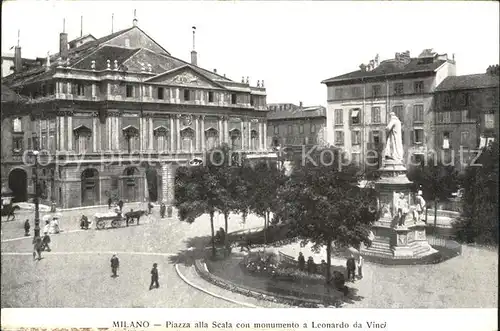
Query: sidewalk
x,y
190,274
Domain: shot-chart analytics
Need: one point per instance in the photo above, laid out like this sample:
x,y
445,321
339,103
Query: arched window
x,y
187,138
132,137
235,135
211,138
255,139
82,136
161,138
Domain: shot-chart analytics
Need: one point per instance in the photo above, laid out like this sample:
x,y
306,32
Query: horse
x,y
131,215
9,210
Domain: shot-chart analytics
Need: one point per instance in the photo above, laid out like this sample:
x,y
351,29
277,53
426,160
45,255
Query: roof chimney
x,y
215,71
194,55
18,61
134,21
300,104
63,42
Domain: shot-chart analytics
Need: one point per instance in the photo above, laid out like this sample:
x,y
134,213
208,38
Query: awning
x,y
355,113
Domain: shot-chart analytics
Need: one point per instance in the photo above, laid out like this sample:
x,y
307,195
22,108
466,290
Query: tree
x,y
479,219
264,183
223,164
436,180
326,207
195,195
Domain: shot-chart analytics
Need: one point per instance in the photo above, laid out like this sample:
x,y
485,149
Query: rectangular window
x,y
440,117
129,91
355,116
161,92
418,113
398,88
339,117
376,91
80,89
186,95
446,100
17,144
418,87
464,138
489,121
355,137
462,99
211,96
418,136
17,125
446,140
301,128
398,110
313,128
356,91
456,116
465,116
339,138
375,114
446,117
339,93
234,99
375,137
276,129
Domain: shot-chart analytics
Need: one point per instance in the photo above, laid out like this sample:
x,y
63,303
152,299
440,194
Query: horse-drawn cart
x,y
116,220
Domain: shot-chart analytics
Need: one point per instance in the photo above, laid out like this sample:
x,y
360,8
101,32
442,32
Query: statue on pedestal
x,y
419,207
402,209
393,150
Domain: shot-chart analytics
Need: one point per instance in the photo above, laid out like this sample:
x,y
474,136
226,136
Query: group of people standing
x,y
352,264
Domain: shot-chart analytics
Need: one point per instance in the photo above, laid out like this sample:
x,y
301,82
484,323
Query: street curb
x,y
184,279
256,294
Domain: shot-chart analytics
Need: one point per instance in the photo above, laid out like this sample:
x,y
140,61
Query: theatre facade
x,y
115,117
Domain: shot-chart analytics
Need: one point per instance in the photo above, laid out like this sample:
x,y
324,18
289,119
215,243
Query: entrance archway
x,y
90,187
18,184
130,184
153,182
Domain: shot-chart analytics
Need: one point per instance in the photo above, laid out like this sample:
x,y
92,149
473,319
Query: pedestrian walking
x,y
46,242
27,227
302,261
163,209
110,202
37,248
84,223
351,268
154,277
150,208
120,205
115,264
46,228
360,266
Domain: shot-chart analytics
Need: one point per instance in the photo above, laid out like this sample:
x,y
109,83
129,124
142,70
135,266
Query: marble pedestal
x,y
393,237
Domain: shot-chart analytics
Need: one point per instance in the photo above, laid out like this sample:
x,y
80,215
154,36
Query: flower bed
x,y
275,289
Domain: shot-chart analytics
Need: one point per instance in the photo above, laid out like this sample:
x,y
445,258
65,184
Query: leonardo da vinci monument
x,y
400,230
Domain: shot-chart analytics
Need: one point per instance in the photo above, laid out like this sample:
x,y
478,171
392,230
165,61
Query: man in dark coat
x,y
84,223
110,202
163,208
150,208
120,204
351,268
154,277
115,264
27,227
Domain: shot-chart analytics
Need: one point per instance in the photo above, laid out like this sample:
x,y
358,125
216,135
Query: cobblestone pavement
x,y
77,271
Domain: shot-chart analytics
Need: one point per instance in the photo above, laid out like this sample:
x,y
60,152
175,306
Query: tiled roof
x,y
389,67
103,54
82,57
307,112
466,82
8,95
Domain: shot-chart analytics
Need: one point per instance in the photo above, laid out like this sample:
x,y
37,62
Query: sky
x,y
291,45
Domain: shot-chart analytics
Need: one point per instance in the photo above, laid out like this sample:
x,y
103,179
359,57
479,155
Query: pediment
x,y
184,76
82,130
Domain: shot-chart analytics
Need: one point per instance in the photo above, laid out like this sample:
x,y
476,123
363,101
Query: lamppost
x,y
35,154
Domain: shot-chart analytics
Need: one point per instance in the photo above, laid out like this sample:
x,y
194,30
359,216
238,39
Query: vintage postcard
x,y
159,156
